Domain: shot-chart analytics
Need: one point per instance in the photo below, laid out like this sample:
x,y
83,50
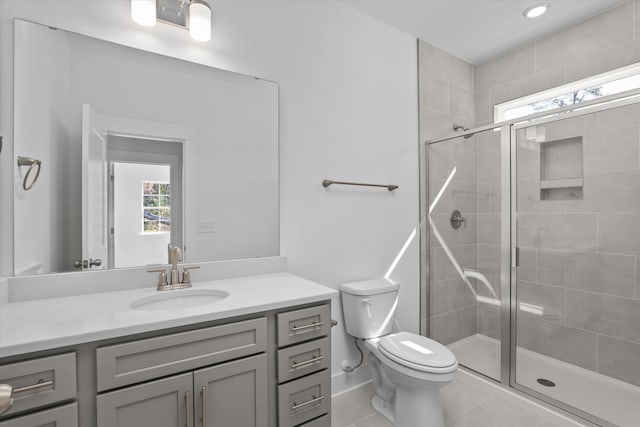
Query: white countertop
x,y
43,324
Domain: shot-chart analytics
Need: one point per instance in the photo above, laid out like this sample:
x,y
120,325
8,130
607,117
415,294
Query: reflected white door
x,y
94,192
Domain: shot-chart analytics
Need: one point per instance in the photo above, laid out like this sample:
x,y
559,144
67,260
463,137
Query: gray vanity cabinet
x,y
232,394
162,403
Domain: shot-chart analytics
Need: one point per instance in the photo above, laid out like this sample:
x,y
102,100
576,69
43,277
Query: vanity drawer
x,y
64,416
303,359
137,361
304,399
57,374
303,325
323,421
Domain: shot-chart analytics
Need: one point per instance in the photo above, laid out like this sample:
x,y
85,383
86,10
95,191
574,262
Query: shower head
x,y
460,128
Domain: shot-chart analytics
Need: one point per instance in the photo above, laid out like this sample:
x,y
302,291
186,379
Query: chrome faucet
x,y
175,255
173,281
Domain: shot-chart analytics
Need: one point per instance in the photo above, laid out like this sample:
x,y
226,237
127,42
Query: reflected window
x,y
156,207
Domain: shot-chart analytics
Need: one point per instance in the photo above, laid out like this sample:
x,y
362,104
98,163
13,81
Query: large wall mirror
x,y
137,151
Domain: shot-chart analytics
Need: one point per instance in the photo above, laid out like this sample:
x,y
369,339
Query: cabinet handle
x,y
296,365
7,392
312,325
187,409
203,396
308,402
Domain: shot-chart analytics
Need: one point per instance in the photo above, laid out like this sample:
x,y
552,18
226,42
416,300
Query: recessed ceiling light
x,y
536,10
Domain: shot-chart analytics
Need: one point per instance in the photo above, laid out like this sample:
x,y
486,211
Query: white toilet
x,y
408,370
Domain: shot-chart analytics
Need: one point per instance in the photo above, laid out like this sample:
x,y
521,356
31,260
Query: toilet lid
x,y
418,352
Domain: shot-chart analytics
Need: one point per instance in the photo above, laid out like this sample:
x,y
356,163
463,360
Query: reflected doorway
x,y
145,200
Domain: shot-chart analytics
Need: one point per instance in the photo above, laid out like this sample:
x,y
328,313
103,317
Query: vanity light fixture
x,y
143,12
192,15
536,10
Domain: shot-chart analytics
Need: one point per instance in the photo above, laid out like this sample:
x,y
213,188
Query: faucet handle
x,y
186,275
162,280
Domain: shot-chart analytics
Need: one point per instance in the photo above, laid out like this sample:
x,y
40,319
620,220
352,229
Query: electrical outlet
x,y
206,226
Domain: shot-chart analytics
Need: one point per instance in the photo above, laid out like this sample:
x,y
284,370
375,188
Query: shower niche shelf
x,y
561,171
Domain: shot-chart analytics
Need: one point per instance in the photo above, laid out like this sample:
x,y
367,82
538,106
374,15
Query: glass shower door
x,y
577,231
465,176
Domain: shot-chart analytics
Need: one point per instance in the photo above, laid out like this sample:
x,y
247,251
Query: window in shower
x,y
609,83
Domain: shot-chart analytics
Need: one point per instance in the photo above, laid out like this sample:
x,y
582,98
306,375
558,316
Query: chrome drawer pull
x,y
7,392
32,387
296,365
187,409
308,402
312,325
203,395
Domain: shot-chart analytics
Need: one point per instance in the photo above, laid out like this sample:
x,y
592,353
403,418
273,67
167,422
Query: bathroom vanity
x,y
259,357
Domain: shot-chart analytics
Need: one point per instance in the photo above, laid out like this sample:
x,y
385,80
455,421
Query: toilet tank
x,y
369,307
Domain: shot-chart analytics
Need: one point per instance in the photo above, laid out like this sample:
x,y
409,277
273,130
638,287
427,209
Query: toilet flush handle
x,y
366,301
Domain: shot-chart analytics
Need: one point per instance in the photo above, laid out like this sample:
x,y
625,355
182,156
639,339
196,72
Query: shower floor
x,y
605,397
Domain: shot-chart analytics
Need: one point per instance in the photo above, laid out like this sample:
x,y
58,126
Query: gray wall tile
x,y
484,108
550,298
615,118
608,59
614,316
470,320
448,295
462,104
612,150
614,26
489,228
537,82
568,344
567,231
594,272
612,192
434,93
528,263
619,359
489,320
447,328
516,64
619,233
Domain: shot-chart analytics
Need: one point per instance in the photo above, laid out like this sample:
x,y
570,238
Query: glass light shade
x,y
200,21
143,12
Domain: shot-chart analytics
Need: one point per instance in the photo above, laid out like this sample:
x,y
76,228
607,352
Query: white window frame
x,y
500,110
167,208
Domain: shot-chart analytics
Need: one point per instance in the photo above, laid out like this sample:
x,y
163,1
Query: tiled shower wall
x,y
447,97
579,255
578,258
594,284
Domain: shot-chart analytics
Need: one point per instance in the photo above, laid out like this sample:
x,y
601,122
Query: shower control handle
x,y
457,219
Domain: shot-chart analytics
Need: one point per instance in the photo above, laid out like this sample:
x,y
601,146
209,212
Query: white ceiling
x,y
478,30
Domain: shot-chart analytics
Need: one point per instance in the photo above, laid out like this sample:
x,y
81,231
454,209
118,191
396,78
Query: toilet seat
x,y
418,352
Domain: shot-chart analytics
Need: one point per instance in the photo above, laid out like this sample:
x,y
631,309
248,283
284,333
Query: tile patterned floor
x,y
467,401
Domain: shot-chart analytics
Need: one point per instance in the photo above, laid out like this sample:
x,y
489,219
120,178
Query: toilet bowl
x,y
408,370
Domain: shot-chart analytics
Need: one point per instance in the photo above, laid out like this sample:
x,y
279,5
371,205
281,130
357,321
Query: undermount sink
x,y
179,299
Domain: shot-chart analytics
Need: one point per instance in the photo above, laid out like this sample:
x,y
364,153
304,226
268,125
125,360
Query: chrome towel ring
x,y
32,163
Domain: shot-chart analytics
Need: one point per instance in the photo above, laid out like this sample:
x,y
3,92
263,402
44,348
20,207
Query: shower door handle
x,y
515,257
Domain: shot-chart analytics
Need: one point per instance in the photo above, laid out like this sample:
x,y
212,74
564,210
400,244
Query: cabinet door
x,y
163,403
232,394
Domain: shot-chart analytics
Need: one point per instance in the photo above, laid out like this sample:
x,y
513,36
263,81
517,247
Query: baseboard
x,y
343,382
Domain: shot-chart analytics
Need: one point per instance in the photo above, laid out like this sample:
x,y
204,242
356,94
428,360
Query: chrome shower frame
x,y
508,278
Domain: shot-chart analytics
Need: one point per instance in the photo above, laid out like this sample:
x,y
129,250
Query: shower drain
x,y
545,382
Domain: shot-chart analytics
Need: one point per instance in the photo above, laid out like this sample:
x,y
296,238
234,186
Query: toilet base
x,y
383,408
413,408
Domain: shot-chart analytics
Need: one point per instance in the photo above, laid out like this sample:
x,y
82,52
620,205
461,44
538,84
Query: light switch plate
x,y
206,226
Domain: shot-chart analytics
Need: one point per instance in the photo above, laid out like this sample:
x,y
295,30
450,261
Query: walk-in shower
x,y
530,250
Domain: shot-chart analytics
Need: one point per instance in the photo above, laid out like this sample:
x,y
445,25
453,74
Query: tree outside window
x,y
156,207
